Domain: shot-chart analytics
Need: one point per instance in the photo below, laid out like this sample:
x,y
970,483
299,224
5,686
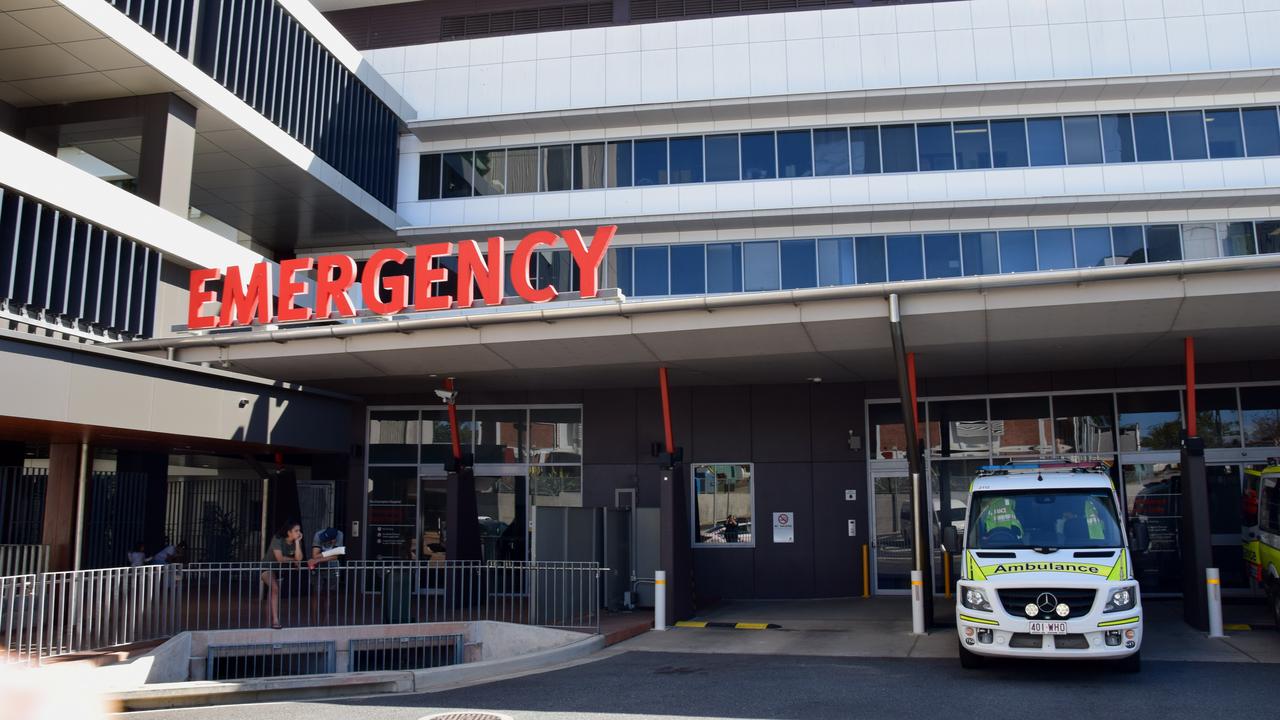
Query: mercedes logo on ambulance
x,y
1047,603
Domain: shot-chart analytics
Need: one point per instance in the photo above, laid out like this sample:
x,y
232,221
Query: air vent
x,y
244,662
406,653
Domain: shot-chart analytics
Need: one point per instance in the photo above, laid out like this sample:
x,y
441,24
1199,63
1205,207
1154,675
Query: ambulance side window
x,y
1269,508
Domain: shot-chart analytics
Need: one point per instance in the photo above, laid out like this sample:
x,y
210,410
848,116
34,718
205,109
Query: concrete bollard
x,y
660,600
917,603
1214,582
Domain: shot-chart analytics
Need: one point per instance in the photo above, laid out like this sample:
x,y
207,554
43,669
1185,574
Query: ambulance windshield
x,y
1043,520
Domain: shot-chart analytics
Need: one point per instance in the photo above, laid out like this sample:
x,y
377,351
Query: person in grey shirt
x,y
285,549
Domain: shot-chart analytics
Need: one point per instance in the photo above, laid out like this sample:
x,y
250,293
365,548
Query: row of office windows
x,y
894,148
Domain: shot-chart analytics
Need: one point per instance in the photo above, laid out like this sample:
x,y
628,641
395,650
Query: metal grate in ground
x,y
244,662
405,653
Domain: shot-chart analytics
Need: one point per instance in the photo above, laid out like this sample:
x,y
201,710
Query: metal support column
x,y
920,499
675,554
1196,545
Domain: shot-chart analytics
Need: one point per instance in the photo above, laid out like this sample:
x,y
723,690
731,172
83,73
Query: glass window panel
x,y
871,259
1117,139
1238,239
500,436
491,172
1200,240
906,257
1053,249
958,428
760,260
556,168
651,162
1150,420
1044,136
1009,143
429,177
1127,241
555,485
795,153
522,170
651,271
898,148
864,150
973,145
1151,489
555,435
1268,233
457,175
1162,243
981,253
1017,251
724,267
1083,425
588,166
942,255
722,158
393,436
556,268
393,500
1226,140
1084,141
889,435
619,270
1021,427
799,264
436,438
722,505
835,261
688,270
1261,406
831,151
934,141
1093,247
758,159
686,160
1261,131
1151,136
618,164
1218,418
1186,129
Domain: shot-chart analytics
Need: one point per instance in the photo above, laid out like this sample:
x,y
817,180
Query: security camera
x,y
447,396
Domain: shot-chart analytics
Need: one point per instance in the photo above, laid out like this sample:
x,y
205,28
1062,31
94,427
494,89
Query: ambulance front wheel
x,y
1131,664
970,660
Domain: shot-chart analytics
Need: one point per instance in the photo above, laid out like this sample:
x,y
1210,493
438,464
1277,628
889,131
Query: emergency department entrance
x,y
1134,432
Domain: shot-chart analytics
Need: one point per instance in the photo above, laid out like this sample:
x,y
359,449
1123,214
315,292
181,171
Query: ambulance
x,y
1047,570
1262,533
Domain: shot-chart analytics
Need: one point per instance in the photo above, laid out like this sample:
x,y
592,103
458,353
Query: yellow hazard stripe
x,y
1126,621
751,626
659,582
1236,627
1214,581
980,621
691,624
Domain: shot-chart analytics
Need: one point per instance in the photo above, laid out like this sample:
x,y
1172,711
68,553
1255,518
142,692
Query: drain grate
x,y
406,653
244,662
467,716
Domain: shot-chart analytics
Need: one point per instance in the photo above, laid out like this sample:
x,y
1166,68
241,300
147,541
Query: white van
x,y
1046,568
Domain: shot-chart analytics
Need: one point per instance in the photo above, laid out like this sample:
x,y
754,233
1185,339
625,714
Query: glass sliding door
x,y
891,517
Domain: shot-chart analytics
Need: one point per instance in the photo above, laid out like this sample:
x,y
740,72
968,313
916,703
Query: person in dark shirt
x,y
731,529
285,549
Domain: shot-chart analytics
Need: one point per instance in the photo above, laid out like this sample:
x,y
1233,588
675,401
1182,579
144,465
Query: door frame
x,y
878,469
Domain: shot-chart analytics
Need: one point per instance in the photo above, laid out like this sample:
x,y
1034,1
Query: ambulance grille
x,y
1015,601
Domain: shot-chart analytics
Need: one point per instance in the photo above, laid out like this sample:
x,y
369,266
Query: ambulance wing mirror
x,y
1139,536
950,539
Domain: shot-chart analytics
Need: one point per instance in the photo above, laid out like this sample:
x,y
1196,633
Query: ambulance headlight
x,y
1121,599
974,599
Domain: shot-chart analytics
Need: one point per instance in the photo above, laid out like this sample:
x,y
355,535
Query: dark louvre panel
x,y
644,9
506,22
670,8
697,7
453,27
576,15
551,18
525,20
600,13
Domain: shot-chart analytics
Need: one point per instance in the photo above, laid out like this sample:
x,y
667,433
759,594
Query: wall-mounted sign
x,y
244,302
784,527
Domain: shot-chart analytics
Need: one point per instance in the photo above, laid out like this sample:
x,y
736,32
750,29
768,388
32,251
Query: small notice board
x,y
783,527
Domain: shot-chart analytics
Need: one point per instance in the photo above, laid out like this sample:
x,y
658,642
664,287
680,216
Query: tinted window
x,y
622,270
1053,248
1117,139
724,267
686,160
1009,143
722,158
651,271
429,177
688,270
1238,239
1187,131
1163,243
1261,131
1084,143
457,175
871,261
1127,244
981,253
760,263
942,255
618,164
588,166
1017,251
973,145
906,257
758,162
898,148
490,172
835,261
1151,136
557,168
831,151
1093,247
1268,237
864,150
1044,136
522,170
651,163
795,154
1226,139
935,146
799,264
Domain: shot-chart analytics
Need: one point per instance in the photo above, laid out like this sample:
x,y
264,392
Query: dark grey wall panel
x,y
837,558
598,490
780,417
721,424
784,570
609,427
837,410
722,573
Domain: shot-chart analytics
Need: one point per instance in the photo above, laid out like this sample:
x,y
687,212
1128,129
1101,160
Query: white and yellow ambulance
x,y
1047,571
1262,533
